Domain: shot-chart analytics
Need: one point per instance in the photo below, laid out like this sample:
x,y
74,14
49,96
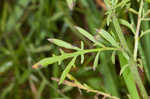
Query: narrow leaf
x,y
67,69
82,56
71,4
133,11
6,66
144,33
96,61
127,24
63,44
123,68
108,37
88,35
50,60
113,57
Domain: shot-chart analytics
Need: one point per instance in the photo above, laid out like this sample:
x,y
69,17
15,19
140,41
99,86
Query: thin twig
x,y
69,83
138,31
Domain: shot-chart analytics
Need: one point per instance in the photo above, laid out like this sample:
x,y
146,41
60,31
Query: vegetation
x,y
74,49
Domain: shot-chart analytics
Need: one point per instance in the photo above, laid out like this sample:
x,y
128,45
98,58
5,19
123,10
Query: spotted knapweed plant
x,y
113,41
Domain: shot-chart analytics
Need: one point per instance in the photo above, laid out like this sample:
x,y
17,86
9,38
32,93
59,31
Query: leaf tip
x,y
51,40
36,66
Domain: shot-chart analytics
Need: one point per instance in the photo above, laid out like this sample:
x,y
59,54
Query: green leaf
x,y
50,60
133,11
108,20
144,33
113,57
71,4
129,78
123,68
127,24
89,36
67,69
63,44
56,16
6,66
119,33
122,3
96,61
108,37
82,56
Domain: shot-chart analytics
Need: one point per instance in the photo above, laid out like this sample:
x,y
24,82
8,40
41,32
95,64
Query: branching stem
x,y
137,32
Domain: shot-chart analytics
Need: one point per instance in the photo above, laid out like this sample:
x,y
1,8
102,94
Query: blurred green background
x,y
25,26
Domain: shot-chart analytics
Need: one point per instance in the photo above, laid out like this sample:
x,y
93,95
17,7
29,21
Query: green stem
x,y
128,78
138,31
50,60
135,73
133,68
120,34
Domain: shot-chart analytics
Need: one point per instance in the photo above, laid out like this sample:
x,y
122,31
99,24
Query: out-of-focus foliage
x,y
25,26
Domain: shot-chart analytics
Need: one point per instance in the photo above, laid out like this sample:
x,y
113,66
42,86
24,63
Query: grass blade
x,y
67,69
96,61
108,37
89,36
63,44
